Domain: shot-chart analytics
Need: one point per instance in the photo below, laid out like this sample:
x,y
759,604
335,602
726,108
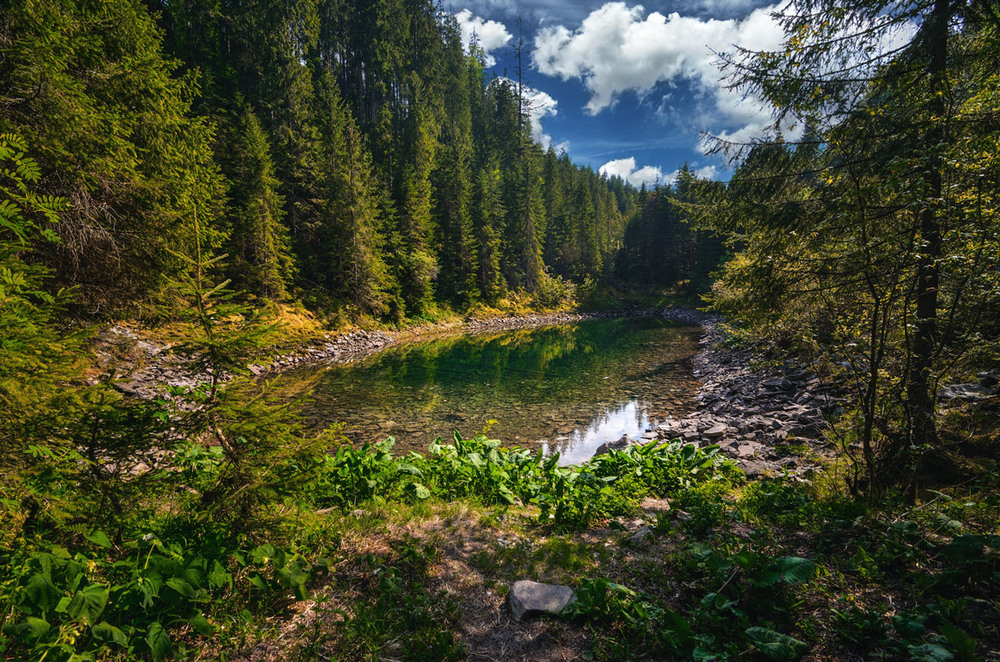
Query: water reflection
x,y
574,386
631,419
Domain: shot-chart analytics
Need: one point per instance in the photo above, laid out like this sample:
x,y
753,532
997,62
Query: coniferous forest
x,y
209,207
349,154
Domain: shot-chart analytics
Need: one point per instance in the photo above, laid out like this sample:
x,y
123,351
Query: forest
x,y
349,155
230,182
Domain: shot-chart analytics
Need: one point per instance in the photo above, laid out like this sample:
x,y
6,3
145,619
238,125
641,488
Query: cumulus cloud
x,y
489,35
619,49
627,170
706,172
541,105
649,175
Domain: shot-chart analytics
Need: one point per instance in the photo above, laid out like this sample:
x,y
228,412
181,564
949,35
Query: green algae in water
x,y
566,388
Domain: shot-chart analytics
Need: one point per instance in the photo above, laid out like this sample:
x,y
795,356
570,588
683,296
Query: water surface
x,y
566,388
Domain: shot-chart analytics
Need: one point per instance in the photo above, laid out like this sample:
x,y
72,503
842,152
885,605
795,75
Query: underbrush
x,y
168,579
778,571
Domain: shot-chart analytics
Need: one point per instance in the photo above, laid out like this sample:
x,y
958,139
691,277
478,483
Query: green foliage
x,y
111,128
482,470
131,598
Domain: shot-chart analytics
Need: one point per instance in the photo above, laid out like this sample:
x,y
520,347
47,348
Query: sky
x,y
628,89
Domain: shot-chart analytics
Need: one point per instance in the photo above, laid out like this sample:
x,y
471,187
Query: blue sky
x,y
628,88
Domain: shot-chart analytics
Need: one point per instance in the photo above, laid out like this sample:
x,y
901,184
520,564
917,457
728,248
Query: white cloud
x,y
489,35
707,172
540,105
627,170
616,50
649,175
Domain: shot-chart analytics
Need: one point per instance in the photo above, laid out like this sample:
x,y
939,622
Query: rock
x,y
716,431
777,383
621,444
966,392
988,379
804,431
640,537
527,598
756,468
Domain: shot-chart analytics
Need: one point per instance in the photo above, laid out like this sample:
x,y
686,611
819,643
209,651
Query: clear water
x,y
567,388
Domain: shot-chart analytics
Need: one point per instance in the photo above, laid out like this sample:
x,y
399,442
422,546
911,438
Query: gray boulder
x,y
527,598
618,445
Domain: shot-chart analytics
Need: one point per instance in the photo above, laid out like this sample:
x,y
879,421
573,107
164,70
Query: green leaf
x,y
776,646
87,604
201,625
109,633
182,587
159,642
963,644
34,627
405,468
42,592
930,653
790,569
98,538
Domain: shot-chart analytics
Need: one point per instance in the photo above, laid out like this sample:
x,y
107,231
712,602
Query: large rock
x,y
618,445
527,598
967,392
716,431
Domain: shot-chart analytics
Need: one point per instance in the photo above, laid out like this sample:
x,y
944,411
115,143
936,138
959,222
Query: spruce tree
x,y
260,259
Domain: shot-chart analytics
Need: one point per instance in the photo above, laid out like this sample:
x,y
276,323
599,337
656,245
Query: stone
x,y
716,431
967,392
527,598
803,431
618,445
777,383
640,537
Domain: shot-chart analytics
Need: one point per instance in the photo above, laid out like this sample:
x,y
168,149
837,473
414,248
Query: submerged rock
x,y
527,598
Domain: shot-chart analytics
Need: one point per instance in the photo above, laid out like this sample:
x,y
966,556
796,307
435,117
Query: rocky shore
x,y
142,365
767,419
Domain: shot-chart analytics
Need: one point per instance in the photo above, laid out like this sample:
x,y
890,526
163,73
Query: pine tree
x,y
348,256
261,261
88,81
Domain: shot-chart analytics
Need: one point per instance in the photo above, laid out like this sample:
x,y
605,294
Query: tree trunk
x,y
920,399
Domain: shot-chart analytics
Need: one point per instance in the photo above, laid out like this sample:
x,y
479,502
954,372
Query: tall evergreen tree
x,y
260,259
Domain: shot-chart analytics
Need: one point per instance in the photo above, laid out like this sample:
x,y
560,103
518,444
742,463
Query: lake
x,y
566,388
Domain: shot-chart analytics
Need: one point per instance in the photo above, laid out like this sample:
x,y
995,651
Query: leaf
x,y
109,633
963,644
182,587
790,569
776,646
42,592
406,468
420,491
87,604
201,625
930,653
159,642
98,538
34,627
